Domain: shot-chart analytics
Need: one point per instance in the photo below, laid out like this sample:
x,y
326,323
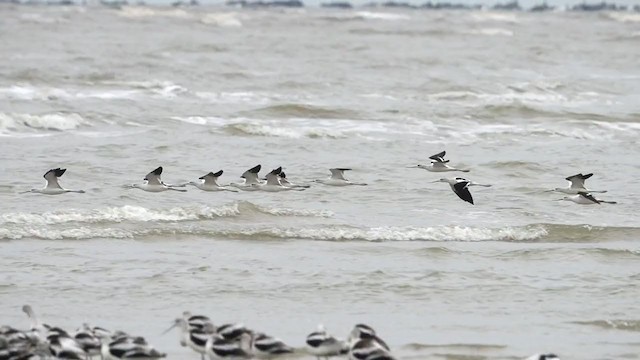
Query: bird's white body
x,y
586,199
52,186
438,167
209,182
209,187
155,187
438,164
337,178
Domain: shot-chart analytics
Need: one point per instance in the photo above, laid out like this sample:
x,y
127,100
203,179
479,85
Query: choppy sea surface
x,y
522,100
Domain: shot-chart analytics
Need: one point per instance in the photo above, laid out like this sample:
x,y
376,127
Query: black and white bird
x,y
364,342
209,182
337,178
194,334
52,186
264,346
584,198
323,345
128,347
438,164
88,341
543,357
577,185
218,347
460,187
273,183
153,183
250,178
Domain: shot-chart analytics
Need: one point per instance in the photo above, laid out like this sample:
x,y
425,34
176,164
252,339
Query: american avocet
x,y
53,187
250,178
460,187
438,164
273,183
62,346
264,346
323,345
127,347
337,178
88,341
363,331
219,347
154,183
209,182
577,185
543,357
584,198
196,337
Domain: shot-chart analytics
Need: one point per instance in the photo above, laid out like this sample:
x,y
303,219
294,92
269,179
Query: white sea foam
x,y
484,16
371,15
222,19
29,92
137,12
54,121
132,213
492,32
624,16
378,234
440,233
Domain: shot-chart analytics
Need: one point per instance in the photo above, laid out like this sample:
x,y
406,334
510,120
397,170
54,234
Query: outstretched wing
x,y
462,190
153,178
590,197
439,157
338,173
52,177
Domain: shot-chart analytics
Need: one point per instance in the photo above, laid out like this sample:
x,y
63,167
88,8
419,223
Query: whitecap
x,y
370,15
221,19
53,121
492,32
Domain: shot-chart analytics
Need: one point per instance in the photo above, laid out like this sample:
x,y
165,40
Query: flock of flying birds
x,y
198,332
276,181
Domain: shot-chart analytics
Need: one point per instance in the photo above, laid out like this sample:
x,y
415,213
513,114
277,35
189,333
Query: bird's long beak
x,y
552,190
171,328
558,199
435,181
412,167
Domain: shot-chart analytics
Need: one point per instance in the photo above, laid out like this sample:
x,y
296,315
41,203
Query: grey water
x,y
522,100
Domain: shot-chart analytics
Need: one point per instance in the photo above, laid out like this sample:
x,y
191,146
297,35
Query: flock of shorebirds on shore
x,y
276,181
197,332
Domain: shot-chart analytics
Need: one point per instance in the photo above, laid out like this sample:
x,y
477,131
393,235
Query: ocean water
x,y
522,100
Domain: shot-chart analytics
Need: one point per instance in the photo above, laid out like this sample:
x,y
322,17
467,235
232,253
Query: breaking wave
x,y
304,111
171,222
627,325
132,213
52,122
